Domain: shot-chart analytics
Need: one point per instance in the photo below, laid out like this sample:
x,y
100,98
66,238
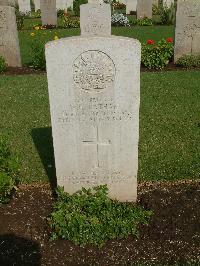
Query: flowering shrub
x,y
118,5
167,15
119,20
157,56
189,61
3,65
143,22
69,22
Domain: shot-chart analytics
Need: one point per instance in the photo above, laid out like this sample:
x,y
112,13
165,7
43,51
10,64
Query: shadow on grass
x,y
19,251
42,138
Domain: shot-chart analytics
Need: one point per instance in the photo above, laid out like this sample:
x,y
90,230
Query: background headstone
x,y
95,19
37,4
131,5
24,6
61,4
94,91
9,43
187,32
48,12
144,9
8,3
155,2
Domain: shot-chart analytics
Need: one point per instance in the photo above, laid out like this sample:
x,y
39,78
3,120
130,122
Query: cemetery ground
x,y
168,152
168,169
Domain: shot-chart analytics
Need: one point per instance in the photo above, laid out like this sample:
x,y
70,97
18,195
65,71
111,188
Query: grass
x,y
169,125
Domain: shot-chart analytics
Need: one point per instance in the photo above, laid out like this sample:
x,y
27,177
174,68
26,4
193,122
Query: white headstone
x,y
9,43
131,5
24,6
61,4
94,91
48,12
37,4
95,19
144,9
187,33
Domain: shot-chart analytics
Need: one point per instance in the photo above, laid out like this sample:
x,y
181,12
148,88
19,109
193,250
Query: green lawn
x,y
141,33
169,125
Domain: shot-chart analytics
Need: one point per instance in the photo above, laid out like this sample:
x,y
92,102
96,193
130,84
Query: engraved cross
x,y
97,142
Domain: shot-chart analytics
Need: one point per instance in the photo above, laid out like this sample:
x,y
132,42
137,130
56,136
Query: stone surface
x,y
8,3
155,2
187,33
131,5
144,9
61,4
48,12
37,4
9,43
24,6
94,102
95,19
168,3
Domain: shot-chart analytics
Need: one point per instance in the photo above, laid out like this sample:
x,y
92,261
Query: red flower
x,y
170,40
150,42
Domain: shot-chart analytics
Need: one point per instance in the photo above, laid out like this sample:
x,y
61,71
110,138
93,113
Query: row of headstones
x,y
25,5
187,37
144,7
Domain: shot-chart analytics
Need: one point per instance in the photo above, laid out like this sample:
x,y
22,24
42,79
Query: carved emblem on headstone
x,y
93,71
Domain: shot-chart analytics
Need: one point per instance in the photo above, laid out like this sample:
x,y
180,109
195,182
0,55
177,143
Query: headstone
x,y
144,9
155,2
70,4
8,3
94,92
187,33
61,4
95,19
9,43
48,12
24,6
131,5
168,3
37,4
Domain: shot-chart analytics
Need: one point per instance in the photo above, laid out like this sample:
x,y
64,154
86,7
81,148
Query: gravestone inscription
x,y
187,32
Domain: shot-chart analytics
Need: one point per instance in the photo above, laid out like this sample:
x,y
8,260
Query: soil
x,y
173,234
28,70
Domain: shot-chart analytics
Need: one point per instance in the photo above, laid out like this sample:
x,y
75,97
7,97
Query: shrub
x,y
118,5
76,6
9,170
90,217
6,187
167,15
19,19
69,22
144,22
61,12
3,64
157,56
189,61
38,54
119,20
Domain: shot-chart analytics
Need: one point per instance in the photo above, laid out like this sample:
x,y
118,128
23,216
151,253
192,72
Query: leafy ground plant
x,y
91,217
9,170
3,65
